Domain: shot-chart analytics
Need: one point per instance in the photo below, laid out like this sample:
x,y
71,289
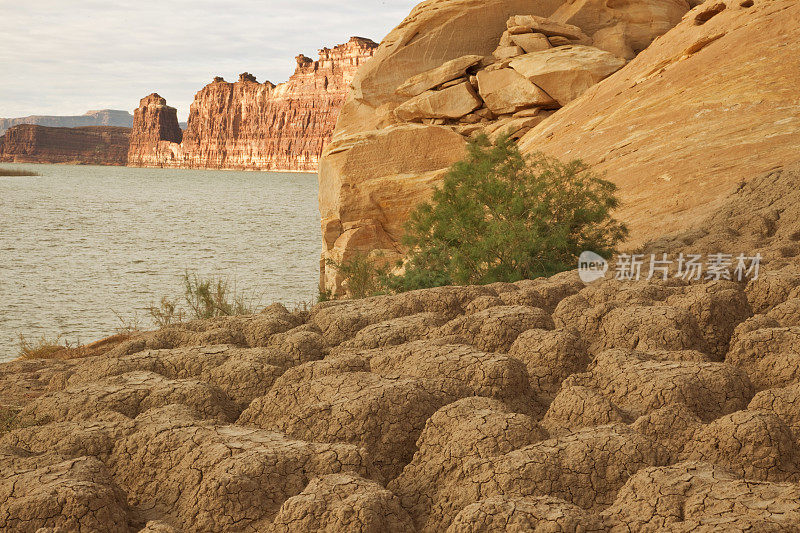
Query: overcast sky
x,y
64,57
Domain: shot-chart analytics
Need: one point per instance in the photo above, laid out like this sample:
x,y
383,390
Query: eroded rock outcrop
x,y
251,125
87,145
504,74
656,118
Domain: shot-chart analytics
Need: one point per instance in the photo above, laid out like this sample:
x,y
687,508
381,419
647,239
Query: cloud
x,y
64,57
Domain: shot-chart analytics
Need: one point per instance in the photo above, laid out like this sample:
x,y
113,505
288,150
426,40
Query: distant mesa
x,y
250,125
102,117
86,145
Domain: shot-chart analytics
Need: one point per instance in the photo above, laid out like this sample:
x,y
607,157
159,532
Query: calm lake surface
x,y
81,246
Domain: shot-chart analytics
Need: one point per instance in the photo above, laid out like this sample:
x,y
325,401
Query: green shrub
x,y
205,298
361,276
502,216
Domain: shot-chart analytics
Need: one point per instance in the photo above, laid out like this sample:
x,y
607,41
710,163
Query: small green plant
x,y
205,298
362,276
15,172
502,216
210,297
165,314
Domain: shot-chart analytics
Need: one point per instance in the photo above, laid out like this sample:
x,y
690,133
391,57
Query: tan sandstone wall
x,y
258,126
677,127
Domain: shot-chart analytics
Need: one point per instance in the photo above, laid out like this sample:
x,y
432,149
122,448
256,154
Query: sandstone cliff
x,y
155,128
89,145
102,117
542,405
711,102
251,125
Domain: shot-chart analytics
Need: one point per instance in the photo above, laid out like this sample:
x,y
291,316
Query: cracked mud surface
x,y
542,405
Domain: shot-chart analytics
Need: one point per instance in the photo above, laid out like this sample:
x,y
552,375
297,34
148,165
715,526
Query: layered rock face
x,y
542,405
102,117
654,95
155,128
251,125
89,145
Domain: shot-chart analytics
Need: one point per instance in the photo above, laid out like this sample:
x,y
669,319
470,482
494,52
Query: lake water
x,y
81,246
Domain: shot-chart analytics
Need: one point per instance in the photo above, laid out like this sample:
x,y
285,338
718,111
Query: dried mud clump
x,y
753,444
695,496
343,502
524,514
68,495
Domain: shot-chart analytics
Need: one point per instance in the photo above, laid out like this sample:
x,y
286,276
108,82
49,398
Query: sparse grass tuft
x,y
205,298
42,348
127,326
15,172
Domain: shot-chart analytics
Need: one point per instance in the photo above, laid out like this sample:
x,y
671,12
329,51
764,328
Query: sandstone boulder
x,y
363,179
432,34
668,120
506,52
450,103
624,28
447,71
531,42
546,26
566,72
506,91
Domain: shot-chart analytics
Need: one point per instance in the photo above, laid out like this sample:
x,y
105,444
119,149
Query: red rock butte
x,y
88,145
250,125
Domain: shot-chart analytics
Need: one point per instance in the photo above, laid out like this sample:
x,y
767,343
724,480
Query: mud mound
x,y
343,502
128,394
219,478
72,495
524,514
753,444
697,496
